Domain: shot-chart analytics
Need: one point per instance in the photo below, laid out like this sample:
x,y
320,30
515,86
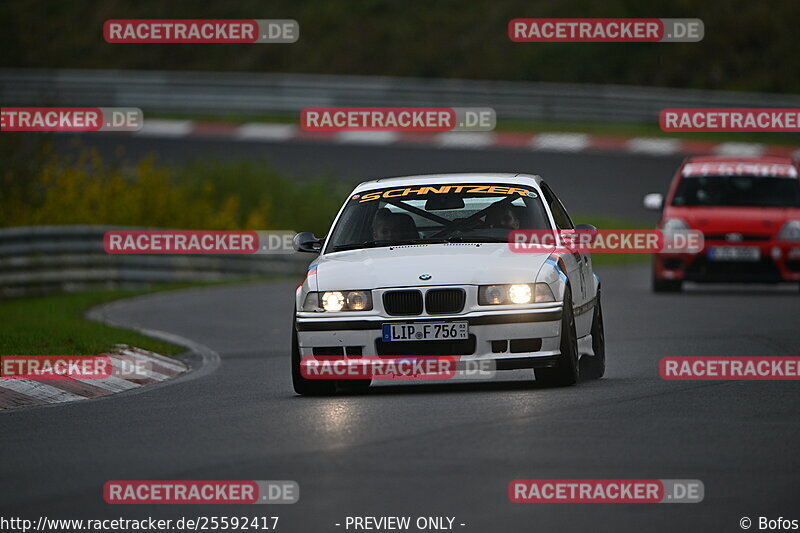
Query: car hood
x,y
446,264
765,221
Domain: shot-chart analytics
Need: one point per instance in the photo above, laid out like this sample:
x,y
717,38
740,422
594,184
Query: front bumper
x,y
779,262
523,338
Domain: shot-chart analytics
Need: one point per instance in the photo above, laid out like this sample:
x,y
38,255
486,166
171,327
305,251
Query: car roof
x,y
428,179
757,166
744,159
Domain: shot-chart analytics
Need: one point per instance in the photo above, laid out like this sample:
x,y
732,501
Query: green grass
x,y
55,325
603,222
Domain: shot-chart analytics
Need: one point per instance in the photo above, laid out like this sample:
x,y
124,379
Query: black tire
x,y
303,386
596,365
567,371
353,385
667,285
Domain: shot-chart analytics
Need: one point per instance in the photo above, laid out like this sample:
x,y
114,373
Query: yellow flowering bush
x,y
50,189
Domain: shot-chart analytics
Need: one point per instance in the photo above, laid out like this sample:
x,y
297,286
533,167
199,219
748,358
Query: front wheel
x,y
303,386
566,373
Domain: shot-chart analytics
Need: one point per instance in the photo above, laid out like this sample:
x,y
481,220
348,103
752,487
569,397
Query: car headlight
x,y
332,301
518,293
790,231
335,301
674,224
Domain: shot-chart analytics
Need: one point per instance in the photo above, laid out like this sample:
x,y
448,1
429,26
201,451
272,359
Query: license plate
x,y
734,253
426,331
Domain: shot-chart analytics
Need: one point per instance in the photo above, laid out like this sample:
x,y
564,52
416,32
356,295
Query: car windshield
x,y
437,213
738,191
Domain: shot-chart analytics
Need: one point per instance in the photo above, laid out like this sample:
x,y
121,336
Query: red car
x,y
748,209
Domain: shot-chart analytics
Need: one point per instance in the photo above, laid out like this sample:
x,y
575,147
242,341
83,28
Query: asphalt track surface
x,y
437,449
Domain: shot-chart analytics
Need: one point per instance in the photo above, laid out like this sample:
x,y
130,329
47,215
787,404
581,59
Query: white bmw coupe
x,y
422,266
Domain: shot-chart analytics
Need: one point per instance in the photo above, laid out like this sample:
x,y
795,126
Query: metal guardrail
x,y
41,259
223,92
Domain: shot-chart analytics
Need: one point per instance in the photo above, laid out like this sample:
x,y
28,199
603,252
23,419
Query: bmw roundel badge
x,y
425,277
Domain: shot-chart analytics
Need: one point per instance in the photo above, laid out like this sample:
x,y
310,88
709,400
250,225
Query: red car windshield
x,y
738,191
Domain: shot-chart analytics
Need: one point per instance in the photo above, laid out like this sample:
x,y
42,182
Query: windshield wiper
x,y
431,240
437,240
476,239
365,244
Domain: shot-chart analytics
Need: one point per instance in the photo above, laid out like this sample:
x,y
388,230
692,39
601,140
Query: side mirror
x,y
307,242
653,201
585,227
